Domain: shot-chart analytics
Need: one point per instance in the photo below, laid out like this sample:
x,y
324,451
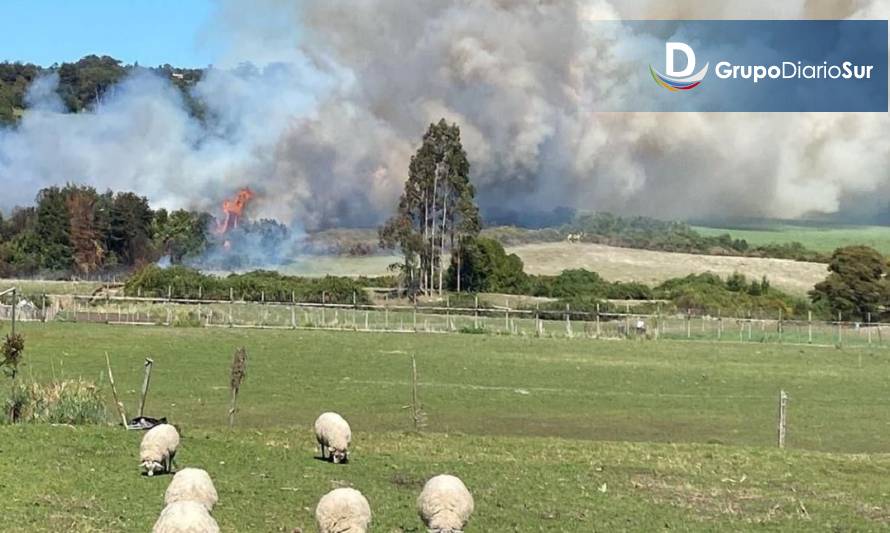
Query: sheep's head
x,y
151,468
339,456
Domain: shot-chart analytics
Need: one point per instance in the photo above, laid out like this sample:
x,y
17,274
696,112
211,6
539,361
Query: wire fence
x,y
400,318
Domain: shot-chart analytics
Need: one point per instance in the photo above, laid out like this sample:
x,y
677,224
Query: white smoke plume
x,y
323,128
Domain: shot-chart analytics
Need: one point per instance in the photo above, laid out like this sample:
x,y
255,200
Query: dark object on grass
x,y
145,422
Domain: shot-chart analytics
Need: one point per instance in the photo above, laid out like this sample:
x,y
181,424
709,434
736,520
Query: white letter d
x,y
670,50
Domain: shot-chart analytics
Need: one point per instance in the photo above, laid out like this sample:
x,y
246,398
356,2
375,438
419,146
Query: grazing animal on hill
x,y
192,484
445,504
343,511
158,449
185,517
333,435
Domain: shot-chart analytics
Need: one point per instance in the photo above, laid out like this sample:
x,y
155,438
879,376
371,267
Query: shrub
x,y
11,352
183,282
75,402
486,267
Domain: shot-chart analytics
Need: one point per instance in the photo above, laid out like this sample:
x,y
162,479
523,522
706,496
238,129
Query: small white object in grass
x,y
522,392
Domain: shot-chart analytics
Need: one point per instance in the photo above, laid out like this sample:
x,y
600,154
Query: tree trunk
x,y
442,241
458,264
433,224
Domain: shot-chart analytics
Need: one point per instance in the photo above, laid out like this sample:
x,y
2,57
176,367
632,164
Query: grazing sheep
x,y
185,517
192,484
333,434
343,511
445,505
158,449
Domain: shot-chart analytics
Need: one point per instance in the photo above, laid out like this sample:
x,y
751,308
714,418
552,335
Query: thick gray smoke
x,y
324,128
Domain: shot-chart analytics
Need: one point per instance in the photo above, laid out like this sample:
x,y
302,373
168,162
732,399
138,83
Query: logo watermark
x,y
683,80
753,65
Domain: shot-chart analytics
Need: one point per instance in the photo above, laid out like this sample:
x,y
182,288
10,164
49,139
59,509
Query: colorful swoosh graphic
x,y
679,84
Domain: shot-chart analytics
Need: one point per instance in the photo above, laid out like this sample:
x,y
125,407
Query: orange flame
x,y
234,210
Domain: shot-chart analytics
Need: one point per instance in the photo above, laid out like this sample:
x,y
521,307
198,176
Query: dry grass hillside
x,y
625,264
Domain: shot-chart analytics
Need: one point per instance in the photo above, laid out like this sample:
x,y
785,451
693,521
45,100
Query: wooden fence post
x,y
626,320
869,327
145,382
810,327
783,417
781,326
568,320
598,331
840,331
476,313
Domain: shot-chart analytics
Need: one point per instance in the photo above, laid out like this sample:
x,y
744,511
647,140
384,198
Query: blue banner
x,y
746,65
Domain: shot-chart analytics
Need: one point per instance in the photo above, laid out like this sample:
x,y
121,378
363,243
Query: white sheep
x,y
343,511
192,484
333,434
445,504
185,517
158,449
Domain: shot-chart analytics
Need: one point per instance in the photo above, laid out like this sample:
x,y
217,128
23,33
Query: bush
x,y
486,267
11,352
74,402
583,284
709,293
183,282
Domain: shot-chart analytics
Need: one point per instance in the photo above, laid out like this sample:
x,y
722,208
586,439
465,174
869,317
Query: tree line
x,y
83,84
75,229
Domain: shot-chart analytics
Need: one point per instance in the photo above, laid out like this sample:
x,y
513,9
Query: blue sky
x,y
152,32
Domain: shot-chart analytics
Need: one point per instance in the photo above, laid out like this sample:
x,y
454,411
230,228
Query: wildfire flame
x,y
234,210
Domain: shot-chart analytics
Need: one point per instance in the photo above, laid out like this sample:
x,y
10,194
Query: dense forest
x,y
82,84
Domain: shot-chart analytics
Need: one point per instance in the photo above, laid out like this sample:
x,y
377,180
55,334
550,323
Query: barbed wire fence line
x,y
401,318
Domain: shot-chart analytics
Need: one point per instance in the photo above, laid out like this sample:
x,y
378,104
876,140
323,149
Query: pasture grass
x,y
86,479
820,238
550,434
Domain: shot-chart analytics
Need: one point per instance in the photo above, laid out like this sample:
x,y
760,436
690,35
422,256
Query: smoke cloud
x,y
324,125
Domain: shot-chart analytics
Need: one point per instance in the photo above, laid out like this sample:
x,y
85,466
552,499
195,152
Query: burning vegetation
x,y
234,210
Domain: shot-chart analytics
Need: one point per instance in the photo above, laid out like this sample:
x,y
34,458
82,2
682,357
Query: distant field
x,y
51,287
822,239
626,264
330,265
550,435
617,264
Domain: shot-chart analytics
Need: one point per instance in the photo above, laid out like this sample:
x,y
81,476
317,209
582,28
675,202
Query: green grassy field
x,y
821,239
550,434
